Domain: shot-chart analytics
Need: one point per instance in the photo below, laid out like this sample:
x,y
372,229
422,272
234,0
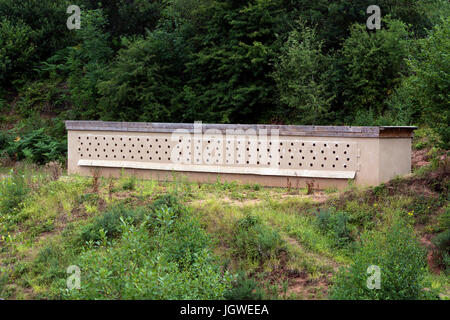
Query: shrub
x,y
5,139
90,198
442,242
168,200
47,96
186,242
336,225
401,260
129,184
255,241
37,147
244,288
110,223
151,273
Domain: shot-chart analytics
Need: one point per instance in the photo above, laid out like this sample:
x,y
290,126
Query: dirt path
x,y
300,284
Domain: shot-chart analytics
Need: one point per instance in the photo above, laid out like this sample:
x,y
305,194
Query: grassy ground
x,y
258,242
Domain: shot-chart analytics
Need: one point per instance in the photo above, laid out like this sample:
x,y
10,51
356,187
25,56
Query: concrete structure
x,y
271,155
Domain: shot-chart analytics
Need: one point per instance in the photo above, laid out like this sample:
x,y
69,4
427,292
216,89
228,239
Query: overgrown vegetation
x,y
400,259
259,61
270,61
181,240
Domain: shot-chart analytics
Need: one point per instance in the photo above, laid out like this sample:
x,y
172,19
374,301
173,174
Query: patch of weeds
x,y
48,268
13,191
254,186
442,242
244,288
225,185
330,190
422,208
110,223
129,184
151,272
401,259
5,291
168,200
255,241
89,198
236,195
44,226
335,224
361,214
186,241
380,190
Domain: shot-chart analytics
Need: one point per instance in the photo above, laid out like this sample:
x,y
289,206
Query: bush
x,y
43,96
255,241
37,147
442,242
401,260
129,184
168,200
133,267
110,223
186,242
336,225
245,288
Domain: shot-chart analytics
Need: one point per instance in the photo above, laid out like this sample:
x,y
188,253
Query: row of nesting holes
x,y
217,148
124,145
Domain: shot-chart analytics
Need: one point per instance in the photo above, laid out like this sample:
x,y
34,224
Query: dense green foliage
x,y
442,240
183,240
336,225
13,191
164,258
258,61
255,241
401,261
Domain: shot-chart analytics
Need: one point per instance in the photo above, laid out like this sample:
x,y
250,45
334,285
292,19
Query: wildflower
x,y
17,139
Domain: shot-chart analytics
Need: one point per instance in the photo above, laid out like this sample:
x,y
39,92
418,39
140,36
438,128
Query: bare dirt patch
x,y
420,158
432,253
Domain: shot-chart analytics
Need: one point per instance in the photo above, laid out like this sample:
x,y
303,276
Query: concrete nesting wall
x,y
270,155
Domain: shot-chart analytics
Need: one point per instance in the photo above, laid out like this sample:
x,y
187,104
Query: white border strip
x,y
219,169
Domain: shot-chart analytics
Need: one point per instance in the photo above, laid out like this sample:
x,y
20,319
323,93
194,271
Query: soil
x,y
432,255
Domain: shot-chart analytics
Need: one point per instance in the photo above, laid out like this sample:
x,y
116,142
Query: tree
x,y
46,19
301,75
143,82
16,49
86,63
371,65
426,93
